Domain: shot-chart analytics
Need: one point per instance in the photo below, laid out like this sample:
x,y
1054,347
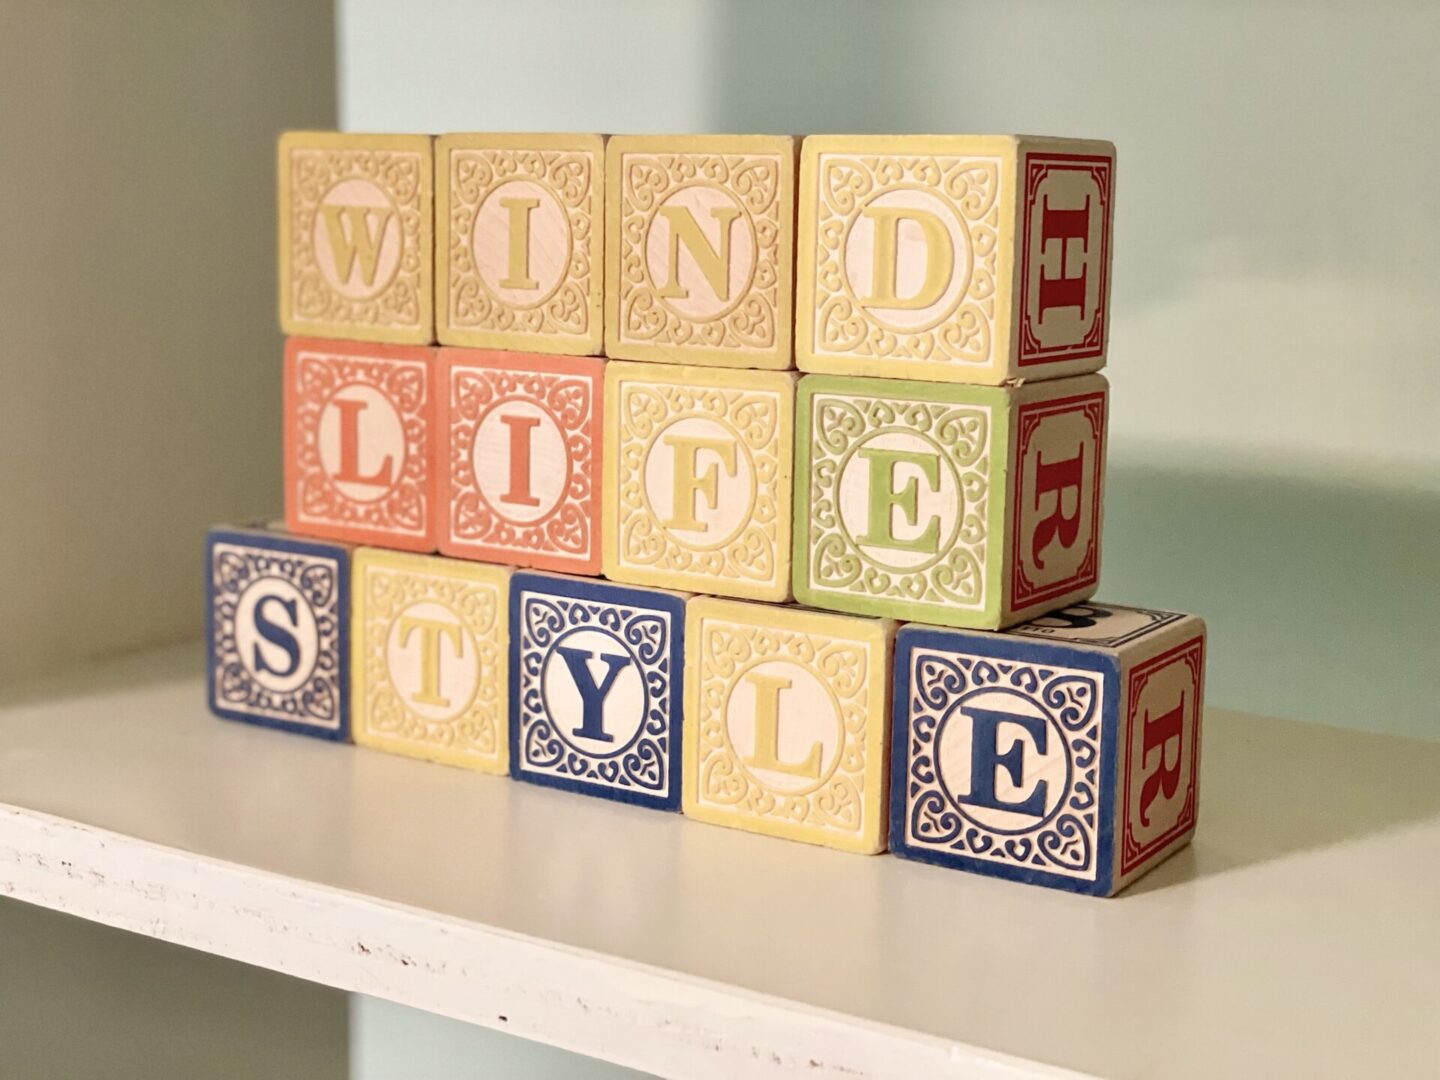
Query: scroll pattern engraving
x,y
476,605
753,418
313,173
642,764
568,176
960,435
646,182
728,651
317,378
234,569
570,402
843,326
1066,840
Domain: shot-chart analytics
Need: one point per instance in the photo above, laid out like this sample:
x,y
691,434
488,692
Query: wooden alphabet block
x,y
520,242
697,479
954,258
597,678
520,458
786,722
357,248
1064,752
429,669
972,506
278,627
360,442
699,265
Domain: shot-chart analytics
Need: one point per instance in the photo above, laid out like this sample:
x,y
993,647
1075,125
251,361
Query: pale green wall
x,y
139,347
390,1042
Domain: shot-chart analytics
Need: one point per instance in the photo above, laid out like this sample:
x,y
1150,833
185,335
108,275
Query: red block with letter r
x,y
1160,771
1057,494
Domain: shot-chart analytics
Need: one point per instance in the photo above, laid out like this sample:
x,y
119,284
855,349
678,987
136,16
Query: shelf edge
x,y
619,1011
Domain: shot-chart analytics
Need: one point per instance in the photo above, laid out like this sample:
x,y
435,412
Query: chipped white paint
x,y
592,1004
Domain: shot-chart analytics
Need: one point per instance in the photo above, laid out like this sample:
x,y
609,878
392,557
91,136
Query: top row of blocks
x,y
976,259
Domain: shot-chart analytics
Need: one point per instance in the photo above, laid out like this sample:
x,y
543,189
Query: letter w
x,y
360,240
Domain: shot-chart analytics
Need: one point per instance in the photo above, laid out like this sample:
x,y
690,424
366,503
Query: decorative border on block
x,y
1030,352
320,707
544,610
1091,737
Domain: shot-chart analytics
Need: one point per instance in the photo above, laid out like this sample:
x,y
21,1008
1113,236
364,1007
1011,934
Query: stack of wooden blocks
x,y
941,465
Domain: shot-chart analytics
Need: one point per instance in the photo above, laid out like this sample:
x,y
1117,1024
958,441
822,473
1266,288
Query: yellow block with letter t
x,y
430,658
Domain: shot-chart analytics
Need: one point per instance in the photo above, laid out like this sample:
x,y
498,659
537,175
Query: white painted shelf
x,y
1300,936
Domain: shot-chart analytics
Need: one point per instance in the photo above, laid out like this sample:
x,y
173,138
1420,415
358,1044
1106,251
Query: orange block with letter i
x,y
520,459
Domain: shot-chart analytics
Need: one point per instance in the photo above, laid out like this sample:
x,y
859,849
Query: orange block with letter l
x,y
360,442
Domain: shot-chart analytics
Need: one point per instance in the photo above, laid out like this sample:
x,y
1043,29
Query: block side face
x,y
1159,782
700,259
1066,223
785,723
357,236
904,269
1058,453
1004,757
520,459
278,630
429,671
597,672
1100,624
698,479
897,498
360,430
520,224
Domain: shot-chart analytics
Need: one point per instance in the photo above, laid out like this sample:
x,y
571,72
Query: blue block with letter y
x,y
596,689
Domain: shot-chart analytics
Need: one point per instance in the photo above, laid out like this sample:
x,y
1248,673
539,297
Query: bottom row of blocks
x,y
1064,752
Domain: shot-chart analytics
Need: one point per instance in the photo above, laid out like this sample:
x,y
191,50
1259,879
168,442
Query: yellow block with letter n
x,y
699,249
